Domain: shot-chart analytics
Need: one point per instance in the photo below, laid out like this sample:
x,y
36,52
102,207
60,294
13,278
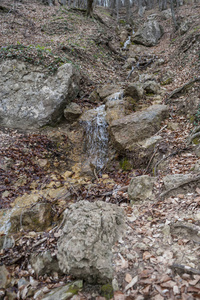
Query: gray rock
x,y
64,292
4,277
151,87
85,247
107,90
167,14
29,99
6,242
114,110
138,126
43,263
38,218
134,90
171,181
72,112
140,188
149,34
184,27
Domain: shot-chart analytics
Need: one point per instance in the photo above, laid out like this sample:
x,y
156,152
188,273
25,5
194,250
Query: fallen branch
x,y
180,89
184,269
191,180
171,154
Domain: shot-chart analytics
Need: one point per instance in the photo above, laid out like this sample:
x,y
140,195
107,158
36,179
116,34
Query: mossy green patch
x,y
125,164
107,291
167,81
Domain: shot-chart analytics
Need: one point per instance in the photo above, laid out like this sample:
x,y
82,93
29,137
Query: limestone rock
x,y
85,247
72,112
64,292
38,99
167,14
134,90
4,277
149,34
36,218
140,188
171,181
129,63
151,87
123,36
43,263
138,126
107,90
114,110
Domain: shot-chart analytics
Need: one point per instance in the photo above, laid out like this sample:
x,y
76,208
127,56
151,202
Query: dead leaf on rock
x,y
128,277
119,296
131,284
146,255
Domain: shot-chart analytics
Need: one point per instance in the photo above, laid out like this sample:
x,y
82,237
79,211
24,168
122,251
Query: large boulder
x,y
30,98
149,34
127,132
89,233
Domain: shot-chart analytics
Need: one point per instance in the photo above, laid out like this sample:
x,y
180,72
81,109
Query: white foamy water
x,y
127,42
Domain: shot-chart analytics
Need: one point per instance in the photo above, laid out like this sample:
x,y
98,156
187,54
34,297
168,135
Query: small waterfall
x,y
96,140
127,42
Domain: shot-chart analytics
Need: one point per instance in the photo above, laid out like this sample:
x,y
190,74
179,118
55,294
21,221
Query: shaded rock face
x,y
85,247
29,99
37,218
128,131
44,263
149,34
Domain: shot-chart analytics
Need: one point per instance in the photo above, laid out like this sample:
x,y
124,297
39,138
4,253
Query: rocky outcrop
x,y
134,90
72,112
31,99
138,126
44,263
85,247
141,188
149,34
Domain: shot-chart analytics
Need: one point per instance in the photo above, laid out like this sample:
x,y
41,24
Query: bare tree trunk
x,y
89,8
173,15
127,4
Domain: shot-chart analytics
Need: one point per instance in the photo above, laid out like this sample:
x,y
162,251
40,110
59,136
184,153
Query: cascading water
x,y
96,141
128,41
116,96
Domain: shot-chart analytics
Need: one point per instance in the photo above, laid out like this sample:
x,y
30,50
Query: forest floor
x,y
151,262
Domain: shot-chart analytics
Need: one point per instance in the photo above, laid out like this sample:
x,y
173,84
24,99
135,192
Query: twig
x,y
191,180
184,269
171,154
192,137
178,90
40,242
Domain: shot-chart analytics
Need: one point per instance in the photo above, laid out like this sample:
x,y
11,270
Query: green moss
x,y
107,291
167,81
36,55
196,141
125,164
122,22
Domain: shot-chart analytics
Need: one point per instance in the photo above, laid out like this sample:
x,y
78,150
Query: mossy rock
x,y
167,81
107,291
125,164
196,141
